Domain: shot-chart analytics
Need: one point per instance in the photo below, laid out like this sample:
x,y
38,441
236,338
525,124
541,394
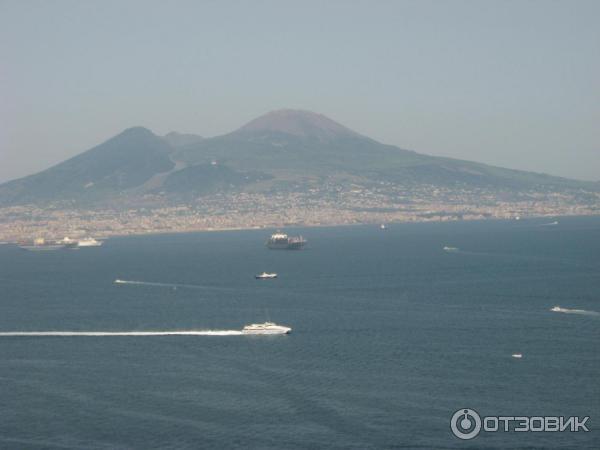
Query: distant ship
x,y
69,243
281,241
89,242
265,328
40,244
382,226
265,276
450,249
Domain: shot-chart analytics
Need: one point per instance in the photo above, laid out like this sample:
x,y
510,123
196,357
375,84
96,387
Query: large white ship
x,y
265,328
89,242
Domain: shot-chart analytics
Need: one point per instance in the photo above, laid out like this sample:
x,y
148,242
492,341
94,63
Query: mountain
x,y
293,144
297,123
123,162
280,151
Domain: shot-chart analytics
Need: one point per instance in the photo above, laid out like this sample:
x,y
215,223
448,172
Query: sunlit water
x,y
391,335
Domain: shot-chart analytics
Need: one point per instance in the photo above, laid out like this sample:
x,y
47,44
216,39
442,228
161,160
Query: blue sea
x,y
391,336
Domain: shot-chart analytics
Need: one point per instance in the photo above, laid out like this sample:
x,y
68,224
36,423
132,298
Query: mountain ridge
x,y
281,149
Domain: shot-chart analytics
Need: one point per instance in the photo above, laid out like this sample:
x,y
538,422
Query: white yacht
x,y
450,249
89,242
265,328
265,276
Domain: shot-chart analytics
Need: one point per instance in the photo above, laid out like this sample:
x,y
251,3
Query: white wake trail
x,y
169,285
575,311
121,333
550,224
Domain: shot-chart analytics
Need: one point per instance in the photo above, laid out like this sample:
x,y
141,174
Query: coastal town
x,y
326,205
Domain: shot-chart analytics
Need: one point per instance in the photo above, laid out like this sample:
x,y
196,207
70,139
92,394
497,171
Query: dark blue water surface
x,y
391,335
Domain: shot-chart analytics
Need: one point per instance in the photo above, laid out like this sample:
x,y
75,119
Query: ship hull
x,y
286,245
41,248
277,246
257,332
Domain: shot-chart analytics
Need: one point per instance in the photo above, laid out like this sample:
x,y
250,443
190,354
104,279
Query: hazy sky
x,y
511,83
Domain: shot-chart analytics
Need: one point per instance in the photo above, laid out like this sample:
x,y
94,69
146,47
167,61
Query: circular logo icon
x,y
465,423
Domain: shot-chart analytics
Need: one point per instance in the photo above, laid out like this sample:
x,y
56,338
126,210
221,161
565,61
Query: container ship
x,y
281,241
40,244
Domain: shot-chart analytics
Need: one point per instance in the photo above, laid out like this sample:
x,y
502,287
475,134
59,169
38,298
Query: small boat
x,y
265,276
450,249
382,226
117,281
517,355
266,328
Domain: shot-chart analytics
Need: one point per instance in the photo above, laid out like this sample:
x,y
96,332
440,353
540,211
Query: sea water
x,y
391,335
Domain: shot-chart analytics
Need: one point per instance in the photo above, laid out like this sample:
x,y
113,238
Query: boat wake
x,y
120,333
168,285
575,311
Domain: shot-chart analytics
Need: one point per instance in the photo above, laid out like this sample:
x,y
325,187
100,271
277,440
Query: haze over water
x,y
391,335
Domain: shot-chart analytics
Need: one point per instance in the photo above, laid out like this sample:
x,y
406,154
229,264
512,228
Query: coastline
x,y
102,234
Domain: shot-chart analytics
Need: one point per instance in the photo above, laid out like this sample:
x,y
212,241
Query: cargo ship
x,y
40,244
281,241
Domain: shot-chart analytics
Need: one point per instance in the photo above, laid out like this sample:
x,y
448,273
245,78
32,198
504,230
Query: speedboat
x,y
266,328
450,249
265,276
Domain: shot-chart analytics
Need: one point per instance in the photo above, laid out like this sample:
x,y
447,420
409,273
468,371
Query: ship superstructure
x,y
281,241
89,242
